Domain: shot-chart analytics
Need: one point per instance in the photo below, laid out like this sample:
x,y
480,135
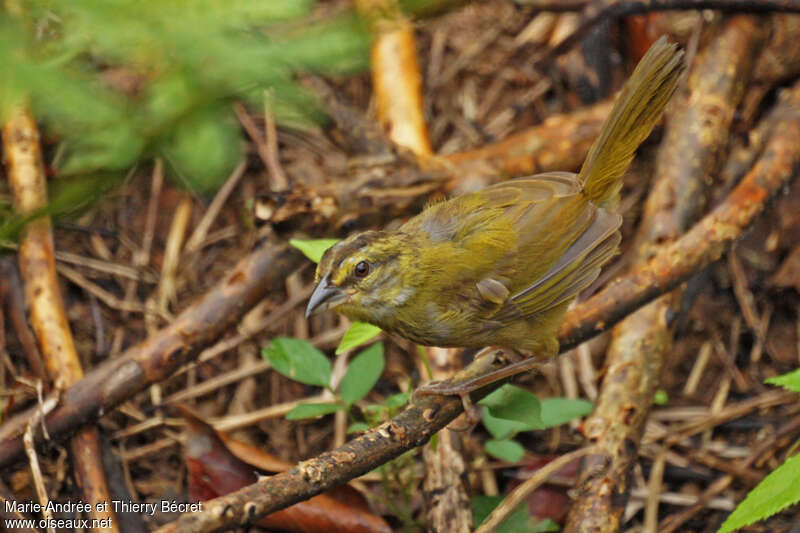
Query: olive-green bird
x,y
498,267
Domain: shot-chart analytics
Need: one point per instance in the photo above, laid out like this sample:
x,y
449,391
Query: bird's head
x,y
359,277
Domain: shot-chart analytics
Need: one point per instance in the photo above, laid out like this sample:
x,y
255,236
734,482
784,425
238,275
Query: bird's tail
x,y
635,112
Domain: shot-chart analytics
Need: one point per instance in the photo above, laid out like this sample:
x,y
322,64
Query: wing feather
x,y
576,269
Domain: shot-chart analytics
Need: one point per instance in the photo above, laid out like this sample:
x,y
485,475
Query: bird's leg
x,y
463,387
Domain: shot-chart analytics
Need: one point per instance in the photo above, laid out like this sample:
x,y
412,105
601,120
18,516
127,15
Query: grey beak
x,y
324,294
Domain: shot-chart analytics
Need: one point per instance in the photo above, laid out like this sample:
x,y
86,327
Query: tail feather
x,y
633,117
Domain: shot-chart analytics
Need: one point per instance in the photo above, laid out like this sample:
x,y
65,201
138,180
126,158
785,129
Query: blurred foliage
x,y
113,82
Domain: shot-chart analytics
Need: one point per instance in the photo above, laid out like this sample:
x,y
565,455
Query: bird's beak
x,y
323,297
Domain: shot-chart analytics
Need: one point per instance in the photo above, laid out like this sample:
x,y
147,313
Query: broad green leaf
x,y
314,248
514,403
313,410
357,334
506,449
500,428
777,491
357,427
299,360
520,519
557,411
789,381
362,373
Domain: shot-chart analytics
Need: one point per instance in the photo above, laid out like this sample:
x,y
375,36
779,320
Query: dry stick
x,y
696,133
654,486
33,459
168,284
521,493
396,78
37,267
700,246
195,241
446,493
141,257
279,181
11,293
560,142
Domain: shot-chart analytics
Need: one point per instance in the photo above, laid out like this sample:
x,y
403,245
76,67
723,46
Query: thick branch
x,y
414,426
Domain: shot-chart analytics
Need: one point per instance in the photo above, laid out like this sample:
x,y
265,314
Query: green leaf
x,y
357,427
557,411
313,410
506,449
299,360
777,491
362,373
545,526
501,428
660,397
789,381
519,520
314,248
204,148
514,403
357,334
397,400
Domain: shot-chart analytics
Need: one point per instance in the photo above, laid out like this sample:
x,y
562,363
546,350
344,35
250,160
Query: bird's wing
x,y
536,237
574,270
561,241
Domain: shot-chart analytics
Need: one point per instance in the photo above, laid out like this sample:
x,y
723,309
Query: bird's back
x,y
514,251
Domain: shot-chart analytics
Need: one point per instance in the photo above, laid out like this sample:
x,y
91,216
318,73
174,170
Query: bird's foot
x,y
463,388
446,388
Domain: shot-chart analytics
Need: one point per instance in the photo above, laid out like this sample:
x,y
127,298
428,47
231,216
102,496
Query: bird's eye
x,y
362,269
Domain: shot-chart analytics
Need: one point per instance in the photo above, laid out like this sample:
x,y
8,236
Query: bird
x,y
500,266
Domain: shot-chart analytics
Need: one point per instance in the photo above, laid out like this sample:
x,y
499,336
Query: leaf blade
x,y
775,492
298,360
362,373
357,334
313,410
313,248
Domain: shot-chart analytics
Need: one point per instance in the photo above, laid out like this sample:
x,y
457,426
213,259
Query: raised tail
x,y
633,117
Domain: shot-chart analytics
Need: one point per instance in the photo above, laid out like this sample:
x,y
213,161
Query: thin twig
x,y
510,503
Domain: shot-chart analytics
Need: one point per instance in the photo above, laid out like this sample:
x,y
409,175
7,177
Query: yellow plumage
x,y
500,266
